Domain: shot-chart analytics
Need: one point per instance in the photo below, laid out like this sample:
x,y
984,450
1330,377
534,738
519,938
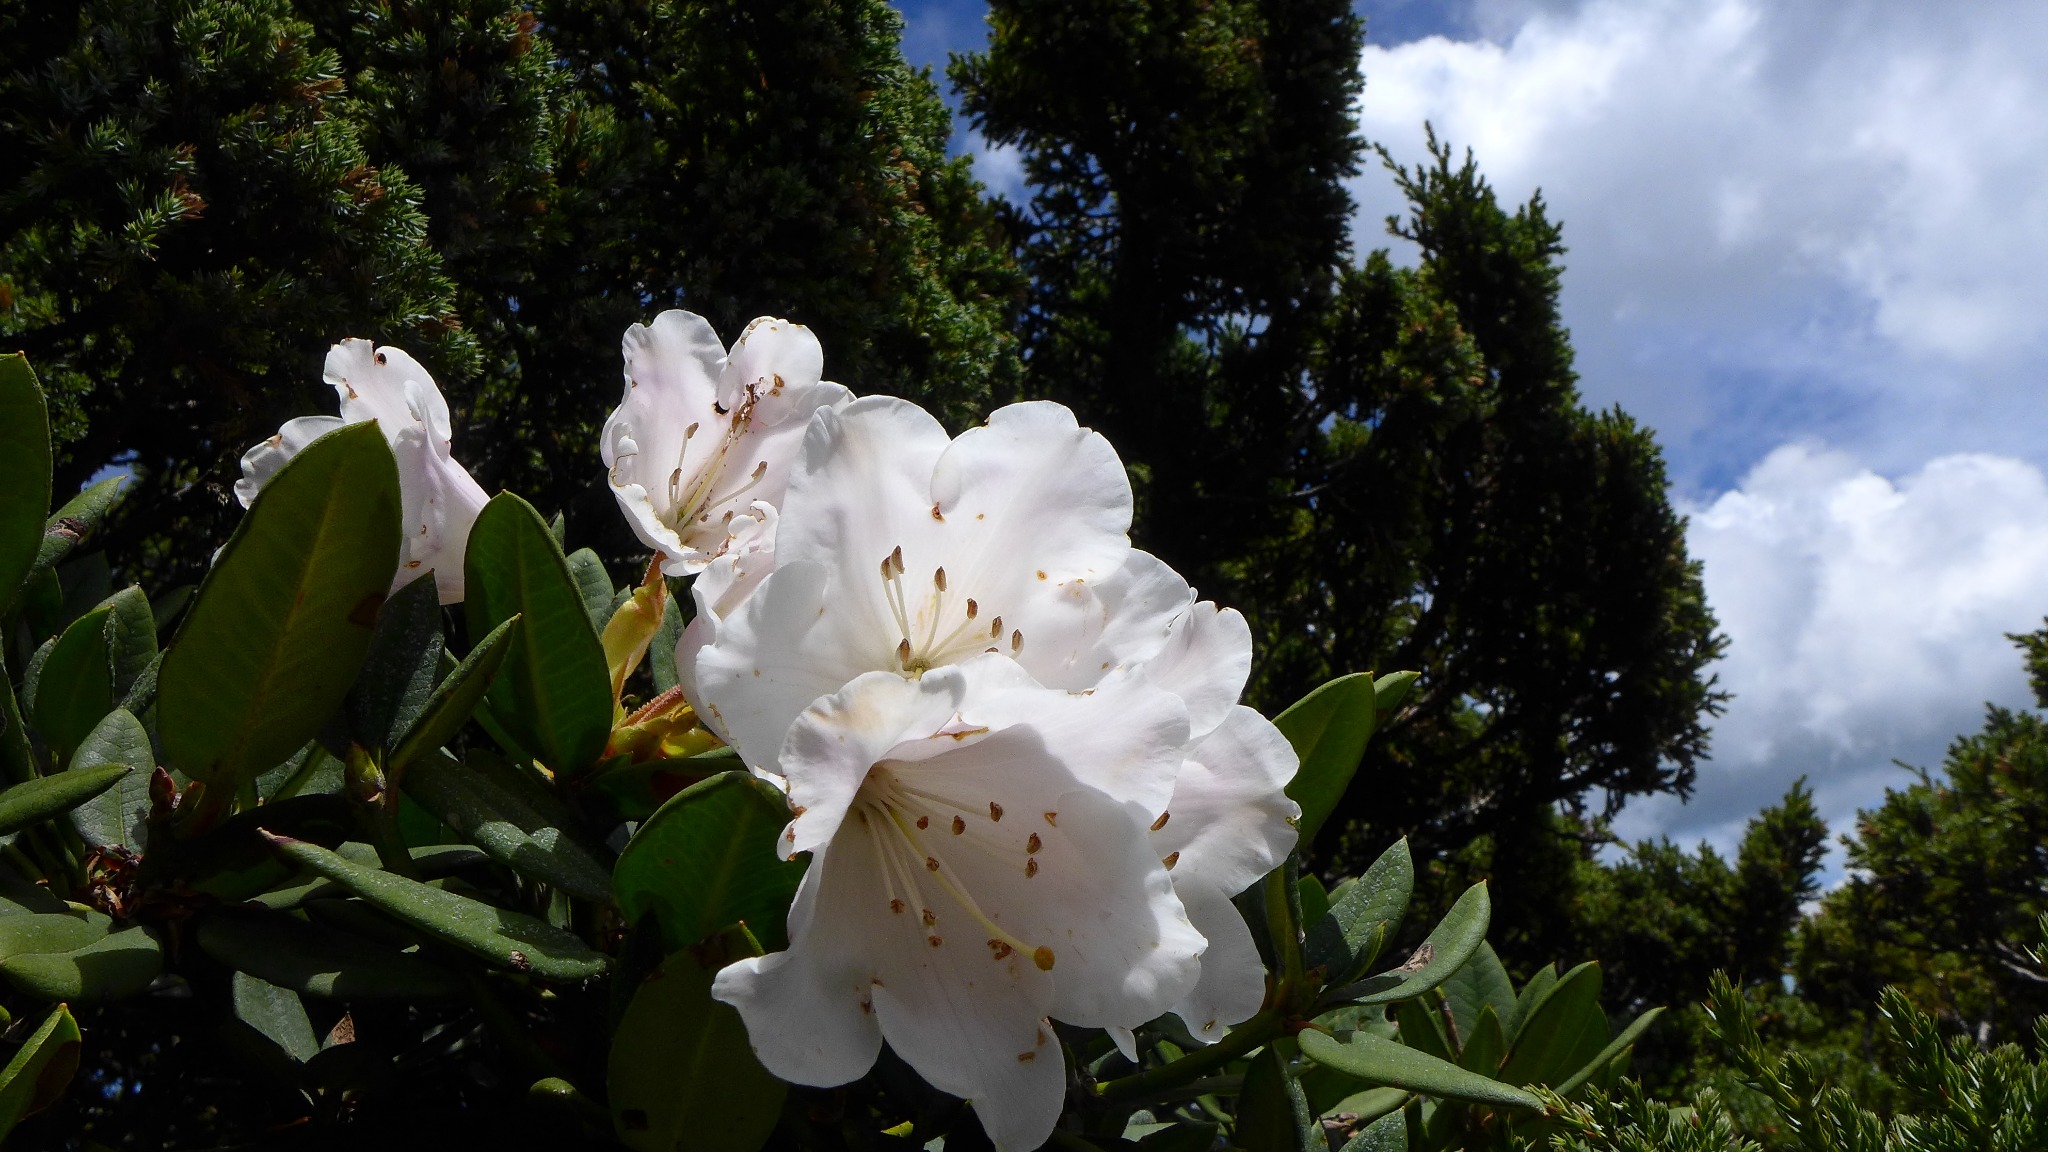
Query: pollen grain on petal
x,y
934,941
931,863
959,825
940,517
1042,958
995,810
1026,1057
1033,844
924,822
1031,868
897,906
930,918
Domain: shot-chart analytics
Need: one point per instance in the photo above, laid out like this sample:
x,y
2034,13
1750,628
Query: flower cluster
x,y
1010,741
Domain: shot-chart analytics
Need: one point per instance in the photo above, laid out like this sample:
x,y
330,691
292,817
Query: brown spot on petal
x,y
896,906
931,863
1026,1057
1033,844
924,821
936,515
959,825
930,918
1041,573
1030,868
934,941
799,810
1052,818
995,810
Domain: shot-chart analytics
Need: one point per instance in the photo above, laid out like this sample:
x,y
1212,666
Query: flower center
x,y
909,824
923,648
690,504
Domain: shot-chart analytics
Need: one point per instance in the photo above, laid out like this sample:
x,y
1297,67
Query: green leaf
x,y
41,1069
1385,1062
130,640
1273,1112
456,698
635,789
1347,939
38,800
28,933
1482,1044
399,671
78,518
117,965
525,832
1371,1104
1391,689
1422,1028
114,818
1389,1133
554,692
511,940
681,1074
74,685
1532,994
1313,898
1481,982
275,1013
314,960
661,655
1614,1049
1329,729
1564,1032
1456,937
24,473
706,860
593,586
283,620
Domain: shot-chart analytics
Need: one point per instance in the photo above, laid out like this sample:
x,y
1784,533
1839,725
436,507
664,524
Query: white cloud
x,y
1866,618
1822,219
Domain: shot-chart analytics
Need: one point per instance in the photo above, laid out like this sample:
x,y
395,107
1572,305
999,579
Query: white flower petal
x,y
1233,984
262,462
840,737
1126,1042
1230,819
778,362
1206,660
757,669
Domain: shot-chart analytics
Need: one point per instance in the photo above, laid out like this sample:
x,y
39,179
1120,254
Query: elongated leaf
x,y
1562,1034
1481,982
1329,729
78,518
74,686
130,640
511,940
399,671
41,1069
1273,1112
38,800
1378,1061
554,691
1532,994
525,832
1347,939
1391,689
1614,1049
115,966
314,960
23,934
1450,944
682,1075
1313,898
1389,1133
456,698
1422,1028
279,629
706,859
114,818
24,473
661,655
1481,1044
275,1013
593,586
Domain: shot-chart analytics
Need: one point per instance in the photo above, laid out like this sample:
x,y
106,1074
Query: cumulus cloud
x,y
1821,218
1866,618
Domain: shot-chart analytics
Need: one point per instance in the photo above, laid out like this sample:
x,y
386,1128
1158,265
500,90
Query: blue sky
x,y
1809,246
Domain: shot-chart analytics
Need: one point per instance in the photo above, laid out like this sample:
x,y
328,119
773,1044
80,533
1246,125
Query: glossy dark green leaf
x,y
1532,994
74,684
280,627
1615,1048
554,691
40,1070
1313,898
38,800
1456,937
1389,1133
510,940
76,519
25,933
24,473
315,960
400,669
455,699
593,586
682,1076
1422,1027
707,859
525,832
1329,729
1481,1044
1371,1104
131,640
117,965
635,790
1347,939
1563,1032
1481,982
661,655
1273,1112
1384,1062
1390,690
114,818
275,1013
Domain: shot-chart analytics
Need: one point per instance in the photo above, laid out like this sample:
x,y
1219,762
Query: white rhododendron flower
x,y
703,438
981,863
441,500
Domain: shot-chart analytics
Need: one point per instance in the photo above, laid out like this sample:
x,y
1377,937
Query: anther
x,y
1052,818
760,469
995,810
690,431
934,941
896,559
1161,822
903,652
1171,859
995,627
1016,641
939,579
924,822
936,514
959,825
896,906
1031,868
1043,958
1033,844
931,863
972,608
888,569
930,918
